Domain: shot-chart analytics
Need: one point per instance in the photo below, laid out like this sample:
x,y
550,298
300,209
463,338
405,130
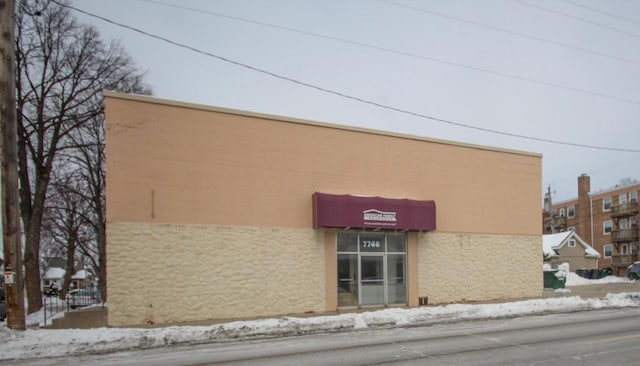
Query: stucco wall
x,y
575,257
468,267
174,163
178,273
209,211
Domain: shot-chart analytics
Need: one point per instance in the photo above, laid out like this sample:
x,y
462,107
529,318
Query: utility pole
x,y
13,275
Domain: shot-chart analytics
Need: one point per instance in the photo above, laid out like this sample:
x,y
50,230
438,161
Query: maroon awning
x,y
342,211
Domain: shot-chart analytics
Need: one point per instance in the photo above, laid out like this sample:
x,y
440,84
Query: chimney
x,y
583,209
584,185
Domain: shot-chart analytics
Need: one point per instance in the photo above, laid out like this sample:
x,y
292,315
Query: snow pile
x,y
50,342
563,270
574,280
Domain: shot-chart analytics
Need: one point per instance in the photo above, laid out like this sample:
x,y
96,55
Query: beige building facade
x,y
218,214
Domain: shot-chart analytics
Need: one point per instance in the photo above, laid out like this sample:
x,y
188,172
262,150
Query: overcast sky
x,y
563,70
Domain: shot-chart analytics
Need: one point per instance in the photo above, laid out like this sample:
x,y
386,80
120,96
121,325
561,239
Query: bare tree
x,y
88,183
64,229
62,68
627,181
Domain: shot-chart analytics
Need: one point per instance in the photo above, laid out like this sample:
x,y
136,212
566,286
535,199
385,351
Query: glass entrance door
x,y
372,280
372,269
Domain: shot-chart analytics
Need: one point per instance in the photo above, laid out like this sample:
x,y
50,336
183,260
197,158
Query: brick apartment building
x,y
607,219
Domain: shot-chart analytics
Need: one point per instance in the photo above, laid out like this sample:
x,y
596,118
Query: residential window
x,y
633,196
623,224
606,204
561,212
634,222
622,199
608,250
607,226
571,211
634,248
624,249
572,243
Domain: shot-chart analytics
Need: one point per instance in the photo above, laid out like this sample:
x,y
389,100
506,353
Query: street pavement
x,y
598,337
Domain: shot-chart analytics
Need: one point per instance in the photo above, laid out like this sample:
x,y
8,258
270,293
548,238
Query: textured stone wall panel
x,y
472,267
179,273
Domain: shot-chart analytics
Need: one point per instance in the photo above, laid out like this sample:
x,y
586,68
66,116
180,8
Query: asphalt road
x,y
604,337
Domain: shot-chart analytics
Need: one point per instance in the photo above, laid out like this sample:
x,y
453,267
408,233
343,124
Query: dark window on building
x,y
608,250
347,241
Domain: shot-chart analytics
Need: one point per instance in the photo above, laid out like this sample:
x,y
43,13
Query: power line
x,y
602,12
412,55
583,20
336,93
507,31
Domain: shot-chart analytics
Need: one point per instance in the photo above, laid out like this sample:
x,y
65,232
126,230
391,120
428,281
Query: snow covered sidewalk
x,y
40,343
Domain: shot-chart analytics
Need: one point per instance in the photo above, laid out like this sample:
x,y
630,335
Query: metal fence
x,y
53,305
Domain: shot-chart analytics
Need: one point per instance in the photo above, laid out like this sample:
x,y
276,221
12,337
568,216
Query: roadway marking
x,y
614,339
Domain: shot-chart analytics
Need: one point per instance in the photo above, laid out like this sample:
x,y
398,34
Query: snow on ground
x,y
575,280
41,343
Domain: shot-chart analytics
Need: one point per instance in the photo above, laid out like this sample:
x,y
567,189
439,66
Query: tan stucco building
x,y
219,214
567,247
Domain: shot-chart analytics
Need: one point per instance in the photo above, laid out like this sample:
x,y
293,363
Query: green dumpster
x,y
554,279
